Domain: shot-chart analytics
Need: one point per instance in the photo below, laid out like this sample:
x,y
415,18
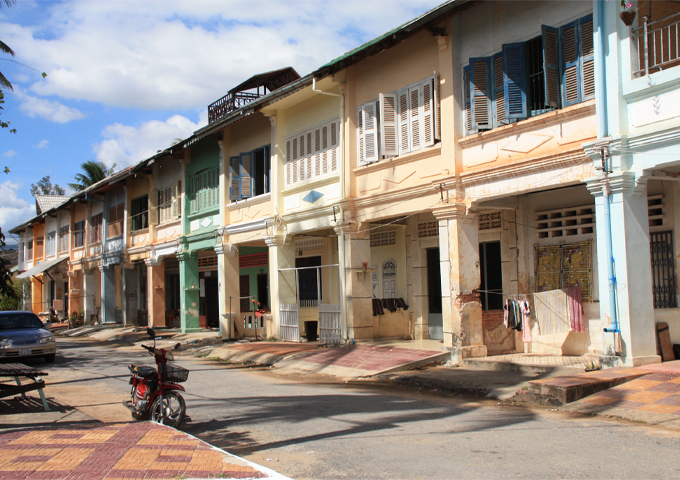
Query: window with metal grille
x,y
563,266
139,213
380,239
207,261
428,229
78,234
663,269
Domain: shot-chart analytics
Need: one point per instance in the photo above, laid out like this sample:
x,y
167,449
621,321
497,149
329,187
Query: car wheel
x,y
50,358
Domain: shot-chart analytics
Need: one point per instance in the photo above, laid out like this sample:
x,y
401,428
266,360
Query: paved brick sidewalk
x,y
131,451
367,357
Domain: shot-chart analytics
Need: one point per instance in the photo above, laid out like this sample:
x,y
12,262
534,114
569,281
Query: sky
x,y
125,78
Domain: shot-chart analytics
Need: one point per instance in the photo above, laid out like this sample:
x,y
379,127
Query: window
x,y
398,123
139,213
563,266
116,216
96,228
39,247
78,234
204,189
29,249
554,70
313,154
169,203
63,239
308,281
249,173
663,269
51,243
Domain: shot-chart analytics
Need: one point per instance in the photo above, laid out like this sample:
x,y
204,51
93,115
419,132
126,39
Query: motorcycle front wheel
x,y
171,413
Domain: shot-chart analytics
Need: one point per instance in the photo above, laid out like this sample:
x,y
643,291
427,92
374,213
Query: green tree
x,y
6,284
45,187
20,287
93,173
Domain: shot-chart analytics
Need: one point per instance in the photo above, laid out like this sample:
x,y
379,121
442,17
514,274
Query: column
x,y
630,253
156,291
358,287
189,291
461,279
108,294
228,286
88,293
283,286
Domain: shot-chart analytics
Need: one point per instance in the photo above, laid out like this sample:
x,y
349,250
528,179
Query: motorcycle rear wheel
x,y
172,412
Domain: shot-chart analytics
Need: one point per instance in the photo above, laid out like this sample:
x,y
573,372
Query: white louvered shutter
x,y
428,113
175,200
437,109
370,132
416,117
360,135
334,131
403,110
388,125
153,207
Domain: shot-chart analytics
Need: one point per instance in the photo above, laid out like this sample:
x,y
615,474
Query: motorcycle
x,y
155,391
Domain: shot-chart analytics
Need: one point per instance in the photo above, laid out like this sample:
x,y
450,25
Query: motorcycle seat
x,y
144,371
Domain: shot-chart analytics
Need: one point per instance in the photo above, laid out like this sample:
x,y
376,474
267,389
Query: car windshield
x,y
14,321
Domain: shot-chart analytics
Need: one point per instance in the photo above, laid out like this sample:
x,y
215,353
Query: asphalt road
x,y
312,427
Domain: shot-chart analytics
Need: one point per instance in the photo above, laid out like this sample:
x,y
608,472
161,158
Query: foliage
x,y
6,284
93,172
20,290
45,187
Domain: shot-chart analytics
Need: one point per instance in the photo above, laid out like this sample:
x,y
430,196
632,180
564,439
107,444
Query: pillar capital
x,y
226,249
282,240
453,211
618,182
186,256
153,262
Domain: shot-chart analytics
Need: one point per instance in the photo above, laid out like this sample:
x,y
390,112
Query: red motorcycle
x,y
155,391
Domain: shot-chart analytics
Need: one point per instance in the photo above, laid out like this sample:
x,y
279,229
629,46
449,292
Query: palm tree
x,y
5,49
94,172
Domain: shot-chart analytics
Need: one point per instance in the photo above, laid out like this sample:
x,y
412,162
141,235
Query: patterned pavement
x,y
367,357
144,450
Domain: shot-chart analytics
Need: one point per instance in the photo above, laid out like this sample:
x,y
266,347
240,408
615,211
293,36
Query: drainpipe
x,y
341,245
611,274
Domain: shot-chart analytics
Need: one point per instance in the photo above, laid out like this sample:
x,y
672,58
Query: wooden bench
x,y
19,370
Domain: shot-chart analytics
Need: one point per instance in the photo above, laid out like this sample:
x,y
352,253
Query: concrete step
x,y
569,388
507,366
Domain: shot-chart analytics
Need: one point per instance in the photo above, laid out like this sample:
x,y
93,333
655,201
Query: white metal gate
x,y
290,322
330,328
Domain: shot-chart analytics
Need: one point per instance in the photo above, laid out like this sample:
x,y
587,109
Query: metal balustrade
x,y
658,44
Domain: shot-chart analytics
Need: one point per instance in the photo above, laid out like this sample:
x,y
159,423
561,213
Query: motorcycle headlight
x,y
49,339
5,343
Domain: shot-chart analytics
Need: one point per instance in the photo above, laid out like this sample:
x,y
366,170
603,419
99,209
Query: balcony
x,y
252,89
658,44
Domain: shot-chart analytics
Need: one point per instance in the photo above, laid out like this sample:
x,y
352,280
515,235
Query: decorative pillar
x,y
630,254
156,291
358,284
189,291
282,283
228,286
461,279
108,294
88,293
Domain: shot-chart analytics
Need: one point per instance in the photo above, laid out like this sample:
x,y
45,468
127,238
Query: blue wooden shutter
x,y
480,91
587,57
499,90
235,173
267,168
514,81
246,175
466,94
570,64
551,65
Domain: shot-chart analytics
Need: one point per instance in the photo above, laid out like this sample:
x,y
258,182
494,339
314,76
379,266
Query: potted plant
x,y
627,12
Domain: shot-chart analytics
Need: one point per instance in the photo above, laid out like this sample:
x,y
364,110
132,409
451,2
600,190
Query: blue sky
x,y
126,78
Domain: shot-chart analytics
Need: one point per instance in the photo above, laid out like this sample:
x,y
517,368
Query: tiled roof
x,y
46,202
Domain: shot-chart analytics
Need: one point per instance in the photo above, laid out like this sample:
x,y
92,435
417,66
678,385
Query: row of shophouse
x,y
481,152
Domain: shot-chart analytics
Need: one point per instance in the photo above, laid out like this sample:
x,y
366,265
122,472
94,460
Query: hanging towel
x,y
401,304
576,309
377,307
551,311
526,315
506,312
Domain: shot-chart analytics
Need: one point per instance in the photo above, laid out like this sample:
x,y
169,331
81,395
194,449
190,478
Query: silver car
x,y
22,334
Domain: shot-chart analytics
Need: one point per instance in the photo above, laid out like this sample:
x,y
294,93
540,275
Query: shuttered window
x,y
554,70
169,203
398,123
249,172
314,153
203,190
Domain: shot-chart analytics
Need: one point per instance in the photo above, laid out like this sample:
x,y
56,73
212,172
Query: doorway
x,y
434,295
491,276
212,304
263,290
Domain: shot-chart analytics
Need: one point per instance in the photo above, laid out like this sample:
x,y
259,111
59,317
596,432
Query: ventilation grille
x,y
490,221
566,222
428,229
381,239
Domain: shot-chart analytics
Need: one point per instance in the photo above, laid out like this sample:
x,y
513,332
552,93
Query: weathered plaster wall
x,y
395,252
247,135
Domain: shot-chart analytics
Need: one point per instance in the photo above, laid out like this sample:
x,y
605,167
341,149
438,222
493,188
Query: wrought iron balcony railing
x,y
658,44
227,104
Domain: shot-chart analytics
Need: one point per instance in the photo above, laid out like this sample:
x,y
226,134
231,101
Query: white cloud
x,y
125,145
13,210
188,54
9,153
48,109
44,143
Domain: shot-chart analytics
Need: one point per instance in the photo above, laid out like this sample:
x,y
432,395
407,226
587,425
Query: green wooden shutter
x,y
235,174
514,81
480,91
551,66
